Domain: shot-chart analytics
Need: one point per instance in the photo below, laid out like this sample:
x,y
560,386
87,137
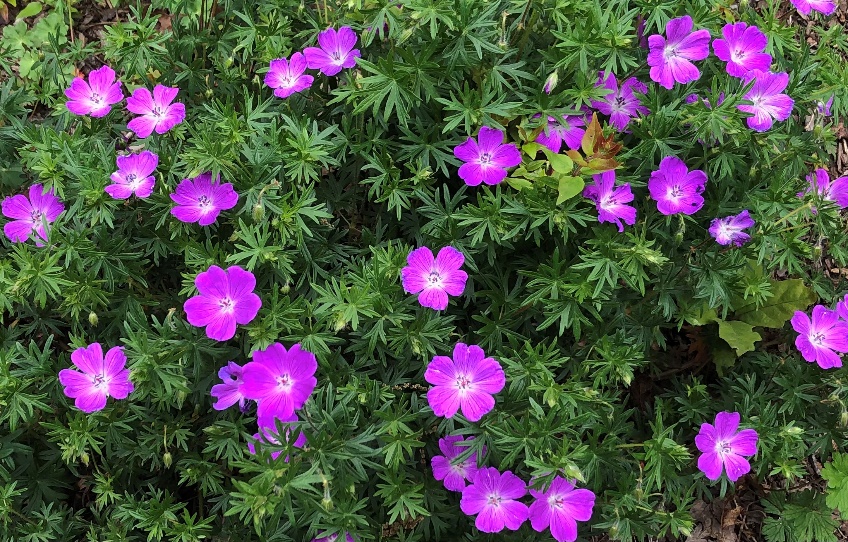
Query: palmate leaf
x,y
836,474
787,297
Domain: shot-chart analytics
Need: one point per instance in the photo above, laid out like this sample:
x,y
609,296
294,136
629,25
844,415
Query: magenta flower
x,y
492,496
286,76
100,377
226,298
611,200
445,468
134,175
29,214
201,199
550,83
560,508
229,393
836,191
336,51
96,97
620,104
487,158
742,48
675,188
823,108
822,337
723,447
842,308
333,538
567,130
692,98
466,382
279,380
434,278
156,110
804,7
268,435
728,230
670,58
768,101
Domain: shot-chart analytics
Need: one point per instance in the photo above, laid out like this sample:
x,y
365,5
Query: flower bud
x,y
209,93
339,322
229,61
167,459
551,82
258,212
284,289
84,458
843,418
92,318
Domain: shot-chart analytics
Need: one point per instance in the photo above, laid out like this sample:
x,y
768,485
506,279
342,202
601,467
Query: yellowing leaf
x,y
739,335
789,296
568,188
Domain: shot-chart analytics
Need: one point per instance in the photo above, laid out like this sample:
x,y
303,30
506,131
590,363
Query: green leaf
x,y
789,296
836,474
31,9
518,183
561,164
739,335
724,357
568,187
701,315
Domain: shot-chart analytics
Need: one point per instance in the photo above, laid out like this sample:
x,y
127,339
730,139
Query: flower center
x,y
99,381
607,202
157,112
556,501
494,500
463,382
284,381
723,447
227,305
817,338
203,202
35,216
669,52
434,279
675,192
485,158
738,55
96,98
337,56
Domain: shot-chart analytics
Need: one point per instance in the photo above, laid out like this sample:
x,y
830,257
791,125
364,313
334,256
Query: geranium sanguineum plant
x,y
493,498
465,383
286,76
279,380
30,214
723,447
675,188
335,53
487,158
225,299
560,508
447,468
95,97
98,377
742,48
229,392
433,279
610,200
729,229
821,338
769,102
134,175
201,200
156,111
820,183
620,103
670,57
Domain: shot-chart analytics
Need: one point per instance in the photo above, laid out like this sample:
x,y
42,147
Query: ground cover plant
x,y
423,270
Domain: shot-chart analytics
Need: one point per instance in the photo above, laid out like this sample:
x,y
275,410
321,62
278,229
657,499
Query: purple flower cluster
x,y
336,52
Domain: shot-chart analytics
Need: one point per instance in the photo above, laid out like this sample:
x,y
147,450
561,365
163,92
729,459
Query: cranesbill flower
x,y
728,230
95,97
823,108
487,158
333,538
567,130
611,200
100,377
201,199
134,175
560,508
842,308
723,447
279,380
670,58
675,188
268,435
492,496
820,338
742,48
336,51
620,104
466,382
445,468
226,298
29,214
692,98
434,278
229,393
830,191
768,101
286,76
804,7
156,110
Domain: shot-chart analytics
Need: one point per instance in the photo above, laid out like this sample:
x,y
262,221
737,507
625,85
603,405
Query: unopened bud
x,y
340,323
167,459
228,62
84,458
258,212
92,318
551,83
209,92
844,418
284,289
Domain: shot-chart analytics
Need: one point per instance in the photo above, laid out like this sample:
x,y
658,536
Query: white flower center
x,y
227,305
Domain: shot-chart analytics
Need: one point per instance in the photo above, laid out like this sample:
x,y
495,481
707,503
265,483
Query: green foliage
x,y
836,474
